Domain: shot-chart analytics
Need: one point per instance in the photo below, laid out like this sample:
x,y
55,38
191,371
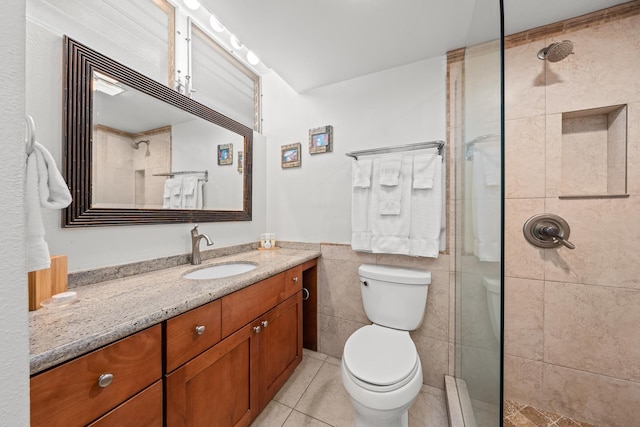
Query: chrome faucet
x,y
195,244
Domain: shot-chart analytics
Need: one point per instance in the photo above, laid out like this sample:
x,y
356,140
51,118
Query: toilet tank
x,y
394,297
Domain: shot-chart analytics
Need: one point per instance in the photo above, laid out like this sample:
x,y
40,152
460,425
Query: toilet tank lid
x,y
388,273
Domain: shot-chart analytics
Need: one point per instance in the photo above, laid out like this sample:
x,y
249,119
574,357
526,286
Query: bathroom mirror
x,y
138,152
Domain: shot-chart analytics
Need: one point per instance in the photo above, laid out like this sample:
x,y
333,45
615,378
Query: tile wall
x,y
572,343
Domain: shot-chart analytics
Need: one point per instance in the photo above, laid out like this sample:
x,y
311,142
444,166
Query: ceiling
x,y
312,43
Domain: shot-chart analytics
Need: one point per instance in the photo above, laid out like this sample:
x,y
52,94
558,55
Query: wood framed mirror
x,y
126,135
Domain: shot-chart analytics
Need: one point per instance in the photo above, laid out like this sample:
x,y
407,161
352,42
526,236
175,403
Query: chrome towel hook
x,y
30,136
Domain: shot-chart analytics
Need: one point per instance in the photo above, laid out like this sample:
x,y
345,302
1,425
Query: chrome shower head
x,y
136,145
556,51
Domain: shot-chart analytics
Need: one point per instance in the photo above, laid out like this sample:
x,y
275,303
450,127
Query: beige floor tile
x,y
274,415
334,360
298,419
293,389
326,399
314,354
428,411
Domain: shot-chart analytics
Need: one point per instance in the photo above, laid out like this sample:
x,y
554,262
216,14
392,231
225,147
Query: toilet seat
x,y
380,359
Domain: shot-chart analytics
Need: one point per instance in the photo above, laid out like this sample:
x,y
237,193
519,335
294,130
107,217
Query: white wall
x,y
88,248
398,106
14,331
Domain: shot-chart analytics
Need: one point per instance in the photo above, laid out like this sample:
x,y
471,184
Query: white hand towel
x,y
390,171
391,188
390,233
189,195
362,199
424,169
361,173
486,203
44,187
173,193
426,215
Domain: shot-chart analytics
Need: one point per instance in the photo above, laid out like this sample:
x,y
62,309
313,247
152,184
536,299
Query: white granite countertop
x,y
113,309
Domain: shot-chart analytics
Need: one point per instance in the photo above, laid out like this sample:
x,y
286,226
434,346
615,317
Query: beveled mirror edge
x,y
79,64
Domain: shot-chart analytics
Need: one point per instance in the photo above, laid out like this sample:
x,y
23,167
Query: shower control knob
x,y
547,231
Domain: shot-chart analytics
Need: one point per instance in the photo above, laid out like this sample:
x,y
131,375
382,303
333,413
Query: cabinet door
x,y
216,388
280,346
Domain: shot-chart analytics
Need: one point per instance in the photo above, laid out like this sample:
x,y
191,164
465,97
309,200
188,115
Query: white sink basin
x,y
218,271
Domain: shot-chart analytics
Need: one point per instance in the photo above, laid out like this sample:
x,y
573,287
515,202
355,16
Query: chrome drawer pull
x,y
295,279
305,294
265,323
200,329
257,329
105,380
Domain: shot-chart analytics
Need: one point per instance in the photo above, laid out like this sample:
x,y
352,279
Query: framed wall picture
x,y
290,155
225,154
321,140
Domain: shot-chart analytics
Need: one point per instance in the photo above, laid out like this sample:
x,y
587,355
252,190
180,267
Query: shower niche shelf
x,y
594,153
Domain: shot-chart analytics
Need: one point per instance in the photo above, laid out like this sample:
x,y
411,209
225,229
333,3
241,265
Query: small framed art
x,y
321,140
290,155
225,154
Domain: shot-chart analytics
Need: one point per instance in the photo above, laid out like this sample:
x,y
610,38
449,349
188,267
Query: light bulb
x,y
252,58
235,42
192,4
215,24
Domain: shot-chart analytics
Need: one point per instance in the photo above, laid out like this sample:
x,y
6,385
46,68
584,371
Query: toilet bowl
x,y
381,369
492,286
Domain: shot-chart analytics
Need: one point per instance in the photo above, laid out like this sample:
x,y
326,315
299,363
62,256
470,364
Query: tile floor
x,y
314,397
520,415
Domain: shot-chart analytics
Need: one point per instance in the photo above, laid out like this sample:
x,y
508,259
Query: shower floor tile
x,y
314,396
520,415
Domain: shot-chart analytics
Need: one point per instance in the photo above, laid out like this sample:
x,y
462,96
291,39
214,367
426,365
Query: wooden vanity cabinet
x,y
230,383
78,392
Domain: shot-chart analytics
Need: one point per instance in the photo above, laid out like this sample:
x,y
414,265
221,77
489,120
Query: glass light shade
x,y
192,4
235,42
216,25
252,58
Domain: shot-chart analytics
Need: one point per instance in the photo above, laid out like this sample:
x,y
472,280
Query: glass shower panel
x,y
476,86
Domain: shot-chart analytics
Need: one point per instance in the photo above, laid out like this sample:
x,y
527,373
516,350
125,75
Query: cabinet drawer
x,y
292,281
191,333
69,395
241,307
142,410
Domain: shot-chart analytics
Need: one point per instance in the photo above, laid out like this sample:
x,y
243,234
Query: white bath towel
x,y
391,189
189,192
426,213
200,194
361,173
424,169
44,187
390,233
486,203
172,197
361,203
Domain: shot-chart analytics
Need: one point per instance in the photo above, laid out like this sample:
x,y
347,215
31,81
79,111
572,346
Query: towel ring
x,y
30,136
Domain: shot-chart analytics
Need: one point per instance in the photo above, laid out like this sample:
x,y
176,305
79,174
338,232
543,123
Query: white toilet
x,y
381,369
492,286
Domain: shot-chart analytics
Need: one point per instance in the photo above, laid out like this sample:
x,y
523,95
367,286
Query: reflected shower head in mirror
x,y
556,51
136,145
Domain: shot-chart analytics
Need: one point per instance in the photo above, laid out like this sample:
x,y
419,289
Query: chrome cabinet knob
x,y
105,380
200,329
265,323
295,279
257,329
